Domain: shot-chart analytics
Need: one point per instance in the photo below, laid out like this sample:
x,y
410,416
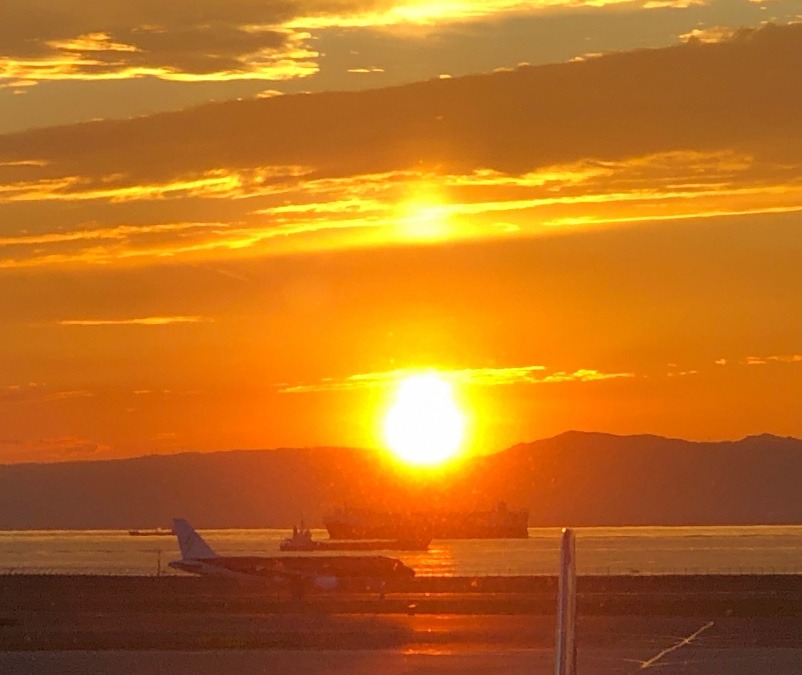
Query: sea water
x,y
599,551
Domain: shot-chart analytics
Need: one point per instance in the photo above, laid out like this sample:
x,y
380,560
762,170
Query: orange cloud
x,y
485,377
585,375
227,182
20,392
139,321
774,358
115,40
72,393
364,71
39,392
428,13
243,39
708,35
377,208
75,188
672,4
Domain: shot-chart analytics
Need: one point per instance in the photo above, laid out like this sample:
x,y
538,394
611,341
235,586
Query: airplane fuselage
x,y
295,572
323,572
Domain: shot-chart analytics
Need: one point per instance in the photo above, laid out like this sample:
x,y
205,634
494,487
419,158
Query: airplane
x,y
298,573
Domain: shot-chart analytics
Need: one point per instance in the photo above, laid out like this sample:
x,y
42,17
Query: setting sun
x,y
424,425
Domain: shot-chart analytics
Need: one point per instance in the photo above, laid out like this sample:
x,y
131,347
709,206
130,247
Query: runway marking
x,y
681,643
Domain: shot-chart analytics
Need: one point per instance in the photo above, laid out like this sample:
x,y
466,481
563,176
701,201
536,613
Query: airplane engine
x,y
326,583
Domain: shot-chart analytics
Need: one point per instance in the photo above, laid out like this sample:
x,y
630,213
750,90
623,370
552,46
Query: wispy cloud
x,y
759,360
708,35
286,208
241,39
119,232
20,392
484,377
203,41
24,162
682,373
34,391
672,4
438,178
585,375
113,39
140,321
420,13
774,358
74,188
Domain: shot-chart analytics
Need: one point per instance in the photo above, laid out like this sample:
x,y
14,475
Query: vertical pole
x,y
565,662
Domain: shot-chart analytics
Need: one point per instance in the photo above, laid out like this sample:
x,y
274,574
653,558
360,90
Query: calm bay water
x,y
619,550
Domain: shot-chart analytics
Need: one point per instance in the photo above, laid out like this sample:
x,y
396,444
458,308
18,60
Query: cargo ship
x,y
500,523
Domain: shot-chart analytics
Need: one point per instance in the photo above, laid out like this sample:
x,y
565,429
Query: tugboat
x,y
158,532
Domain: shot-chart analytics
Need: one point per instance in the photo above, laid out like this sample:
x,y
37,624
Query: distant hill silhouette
x,y
579,479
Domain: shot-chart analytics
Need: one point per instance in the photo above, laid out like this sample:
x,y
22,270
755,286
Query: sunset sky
x,y
240,224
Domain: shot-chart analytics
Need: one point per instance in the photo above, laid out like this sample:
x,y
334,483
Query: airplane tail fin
x,y
190,542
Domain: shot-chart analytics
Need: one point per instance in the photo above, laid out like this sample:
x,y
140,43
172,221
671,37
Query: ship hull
x,y
500,524
357,544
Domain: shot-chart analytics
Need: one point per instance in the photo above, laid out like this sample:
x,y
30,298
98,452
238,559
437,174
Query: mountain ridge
x,y
574,478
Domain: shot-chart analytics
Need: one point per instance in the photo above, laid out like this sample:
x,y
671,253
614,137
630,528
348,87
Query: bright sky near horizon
x,y
583,215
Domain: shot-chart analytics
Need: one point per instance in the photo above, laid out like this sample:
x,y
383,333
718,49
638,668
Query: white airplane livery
x,y
298,573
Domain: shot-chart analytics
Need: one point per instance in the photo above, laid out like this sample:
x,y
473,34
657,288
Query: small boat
x,y
158,532
301,540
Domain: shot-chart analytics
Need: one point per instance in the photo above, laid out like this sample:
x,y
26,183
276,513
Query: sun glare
x,y
423,216
424,426
422,221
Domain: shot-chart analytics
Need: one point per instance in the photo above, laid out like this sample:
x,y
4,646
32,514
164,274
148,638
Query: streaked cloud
x,y
39,392
672,4
485,377
760,360
413,164
774,358
24,162
244,39
219,182
365,71
241,40
282,210
140,321
585,375
120,60
424,13
708,35
121,232
20,392
203,41
72,393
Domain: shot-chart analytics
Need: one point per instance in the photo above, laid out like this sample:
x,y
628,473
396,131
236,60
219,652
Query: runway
x,y
698,659
140,625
